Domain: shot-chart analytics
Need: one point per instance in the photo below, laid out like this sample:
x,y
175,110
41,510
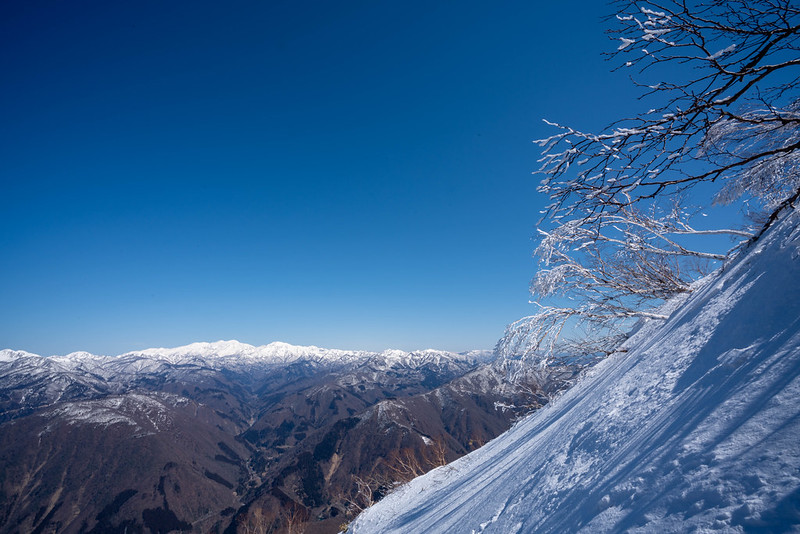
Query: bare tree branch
x,y
728,113
733,120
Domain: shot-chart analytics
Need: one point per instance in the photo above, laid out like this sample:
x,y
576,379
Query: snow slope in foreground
x,y
695,427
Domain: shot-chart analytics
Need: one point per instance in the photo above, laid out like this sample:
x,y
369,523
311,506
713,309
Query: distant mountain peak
x,y
277,351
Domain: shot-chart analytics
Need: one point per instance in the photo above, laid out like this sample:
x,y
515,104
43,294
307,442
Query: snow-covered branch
x,y
726,112
733,117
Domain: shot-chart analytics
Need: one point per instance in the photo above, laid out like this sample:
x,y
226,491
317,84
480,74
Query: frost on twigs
x,y
746,136
720,79
601,273
726,112
538,340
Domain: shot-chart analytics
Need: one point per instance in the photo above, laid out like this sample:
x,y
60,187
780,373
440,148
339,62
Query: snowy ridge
x,y
137,410
234,353
694,427
29,380
273,353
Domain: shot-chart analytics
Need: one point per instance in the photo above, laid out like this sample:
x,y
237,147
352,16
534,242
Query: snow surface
x,y
694,426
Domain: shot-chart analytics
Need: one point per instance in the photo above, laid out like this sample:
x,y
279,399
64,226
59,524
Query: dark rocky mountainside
x,y
226,437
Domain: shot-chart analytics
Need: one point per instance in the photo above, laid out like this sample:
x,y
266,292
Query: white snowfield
x,y
696,428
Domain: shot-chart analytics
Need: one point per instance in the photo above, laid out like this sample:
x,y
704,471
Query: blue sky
x,y
344,174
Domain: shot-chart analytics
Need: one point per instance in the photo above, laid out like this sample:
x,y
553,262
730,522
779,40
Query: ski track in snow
x,y
695,427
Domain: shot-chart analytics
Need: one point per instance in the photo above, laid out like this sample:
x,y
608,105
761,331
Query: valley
x,y
227,437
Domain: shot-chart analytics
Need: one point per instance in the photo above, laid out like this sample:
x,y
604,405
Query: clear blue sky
x,y
344,174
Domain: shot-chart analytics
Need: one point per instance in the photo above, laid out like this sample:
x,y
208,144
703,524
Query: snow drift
x,y
693,425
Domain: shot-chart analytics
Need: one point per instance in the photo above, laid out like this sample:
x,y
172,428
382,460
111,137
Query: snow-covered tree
x,y
603,273
729,111
726,112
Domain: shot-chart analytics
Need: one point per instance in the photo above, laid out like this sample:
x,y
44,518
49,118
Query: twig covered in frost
x,y
734,117
727,113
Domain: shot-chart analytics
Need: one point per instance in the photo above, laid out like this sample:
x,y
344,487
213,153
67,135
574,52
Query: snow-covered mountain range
x,y
693,426
234,354
211,436
29,380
